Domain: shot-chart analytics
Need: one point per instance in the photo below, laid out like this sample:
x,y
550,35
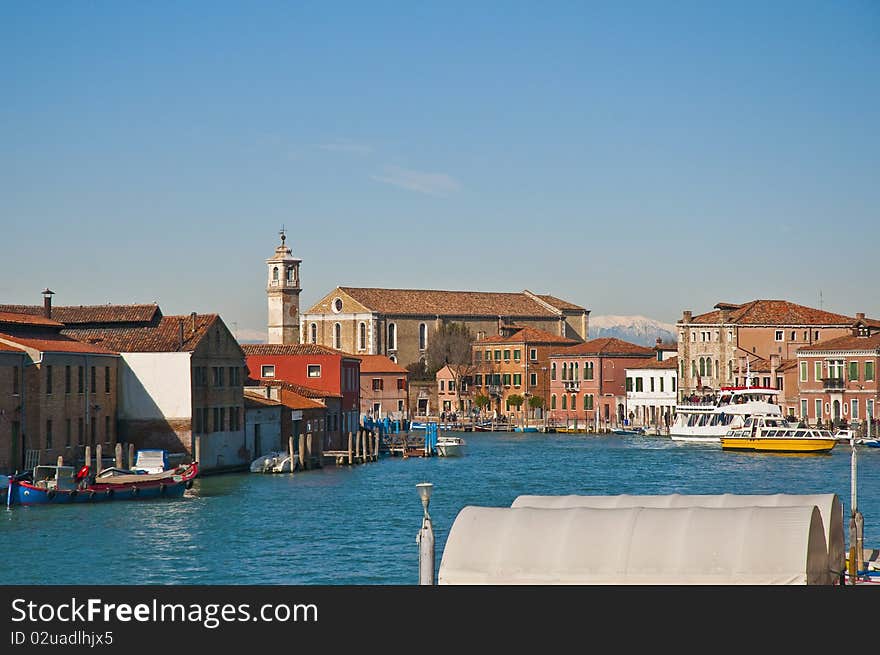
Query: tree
x,y
515,400
419,371
451,346
481,402
535,402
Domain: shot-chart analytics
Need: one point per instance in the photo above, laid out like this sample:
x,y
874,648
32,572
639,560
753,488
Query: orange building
x,y
383,387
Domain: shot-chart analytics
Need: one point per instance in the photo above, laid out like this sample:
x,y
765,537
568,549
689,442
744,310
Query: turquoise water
x,y
358,525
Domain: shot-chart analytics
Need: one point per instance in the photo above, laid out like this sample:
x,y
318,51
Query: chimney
x,y
193,320
47,302
180,334
687,316
725,315
860,316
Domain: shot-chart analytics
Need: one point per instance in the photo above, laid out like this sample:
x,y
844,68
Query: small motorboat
x,y
274,462
525,428
450,446
628,431
54,484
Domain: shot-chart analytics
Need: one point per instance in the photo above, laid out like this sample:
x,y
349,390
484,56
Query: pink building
x,y
383,387
591,376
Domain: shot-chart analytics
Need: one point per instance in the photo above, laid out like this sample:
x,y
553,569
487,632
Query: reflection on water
x,y
358,525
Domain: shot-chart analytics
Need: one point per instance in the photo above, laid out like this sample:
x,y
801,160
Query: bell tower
x,y
283,290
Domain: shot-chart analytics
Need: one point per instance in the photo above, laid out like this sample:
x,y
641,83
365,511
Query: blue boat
x,y
53,485
528,428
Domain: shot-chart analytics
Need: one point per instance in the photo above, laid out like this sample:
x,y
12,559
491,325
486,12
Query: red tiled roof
x,y
664,345
56,343
255,399
82,314
528,335
379,364
7,348
16,318
607,347
164,337
654,363
293,400
773,312
847,342
428,302
292,349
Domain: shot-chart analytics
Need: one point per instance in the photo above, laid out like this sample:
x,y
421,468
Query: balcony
x,y
495,390
572,385
833,384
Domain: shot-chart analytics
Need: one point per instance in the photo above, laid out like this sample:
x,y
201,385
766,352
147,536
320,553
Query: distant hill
x,y
635,329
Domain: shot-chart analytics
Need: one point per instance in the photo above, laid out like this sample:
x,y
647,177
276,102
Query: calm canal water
x,y
345,526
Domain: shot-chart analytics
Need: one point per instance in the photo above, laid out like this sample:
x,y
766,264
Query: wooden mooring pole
x,y
349,449
99,456
131,455
88,458
309,450
118,453
291,451
60,461
302,452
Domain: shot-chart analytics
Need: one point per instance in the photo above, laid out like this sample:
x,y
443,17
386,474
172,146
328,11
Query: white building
x,y
262,423
651,391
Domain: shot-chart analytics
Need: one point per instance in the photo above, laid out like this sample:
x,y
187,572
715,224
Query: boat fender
x,y
50,494
134,490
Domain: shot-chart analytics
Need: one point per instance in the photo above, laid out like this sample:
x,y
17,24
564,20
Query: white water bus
x,y
711,416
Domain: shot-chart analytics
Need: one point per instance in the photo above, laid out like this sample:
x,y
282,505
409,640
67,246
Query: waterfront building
x,y
383,387
651,391
454,392
57,394
588,380
666,350
837,379
315,367
179,377
305,412
713,347
262,423
515,362
283,290
400,323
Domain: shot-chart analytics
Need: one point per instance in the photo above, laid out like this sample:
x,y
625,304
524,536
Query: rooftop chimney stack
x,y
47,302
860,316
180,334
193,319
687,316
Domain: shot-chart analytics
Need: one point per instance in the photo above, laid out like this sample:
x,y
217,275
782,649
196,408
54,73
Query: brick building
x,y
837,379
57,394
713,347
591,377
399,323
517,361
383,387
315,367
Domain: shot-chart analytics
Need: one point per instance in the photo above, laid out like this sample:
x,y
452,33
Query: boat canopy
x,y
829,506
636,545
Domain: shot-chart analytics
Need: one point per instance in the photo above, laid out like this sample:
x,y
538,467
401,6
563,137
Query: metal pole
x,y
425,538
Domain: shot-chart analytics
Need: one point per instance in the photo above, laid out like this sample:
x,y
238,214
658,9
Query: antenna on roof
x,y
820,298
283,234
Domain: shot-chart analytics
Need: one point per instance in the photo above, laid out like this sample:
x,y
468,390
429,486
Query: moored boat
x,y
63,484
448,446
274,462
525,428
628,431
770,434
707,418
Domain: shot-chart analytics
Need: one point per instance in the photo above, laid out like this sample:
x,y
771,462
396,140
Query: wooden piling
x,y
377,448
302,452
309,458
118,453
357,445
88,458
197,454
99,457
290,450
131,455
60,461
349,449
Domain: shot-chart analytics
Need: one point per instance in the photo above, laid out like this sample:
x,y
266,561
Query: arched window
x,y
553,401
393,358
588,370
574,401
290,273
564,377
564,397
694,368
314,333
729,369
275,273
576,372
702,366
423,336
553,372
337,336
392,336
716,369
362,336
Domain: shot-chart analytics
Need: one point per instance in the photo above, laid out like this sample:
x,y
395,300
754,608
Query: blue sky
x,y
634,158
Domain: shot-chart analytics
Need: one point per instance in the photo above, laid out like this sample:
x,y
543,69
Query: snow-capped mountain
x,y
635,329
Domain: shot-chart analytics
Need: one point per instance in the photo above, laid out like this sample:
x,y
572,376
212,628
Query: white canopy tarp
x,y
829,506
636,545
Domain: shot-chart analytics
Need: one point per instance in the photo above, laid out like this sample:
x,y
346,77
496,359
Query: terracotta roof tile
x,y
772,312
18,319
607,347
379,364
292,349
847,342
654,363
255,399
293,400
429,302
55,343
528,335
92,314
7,348
163,337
